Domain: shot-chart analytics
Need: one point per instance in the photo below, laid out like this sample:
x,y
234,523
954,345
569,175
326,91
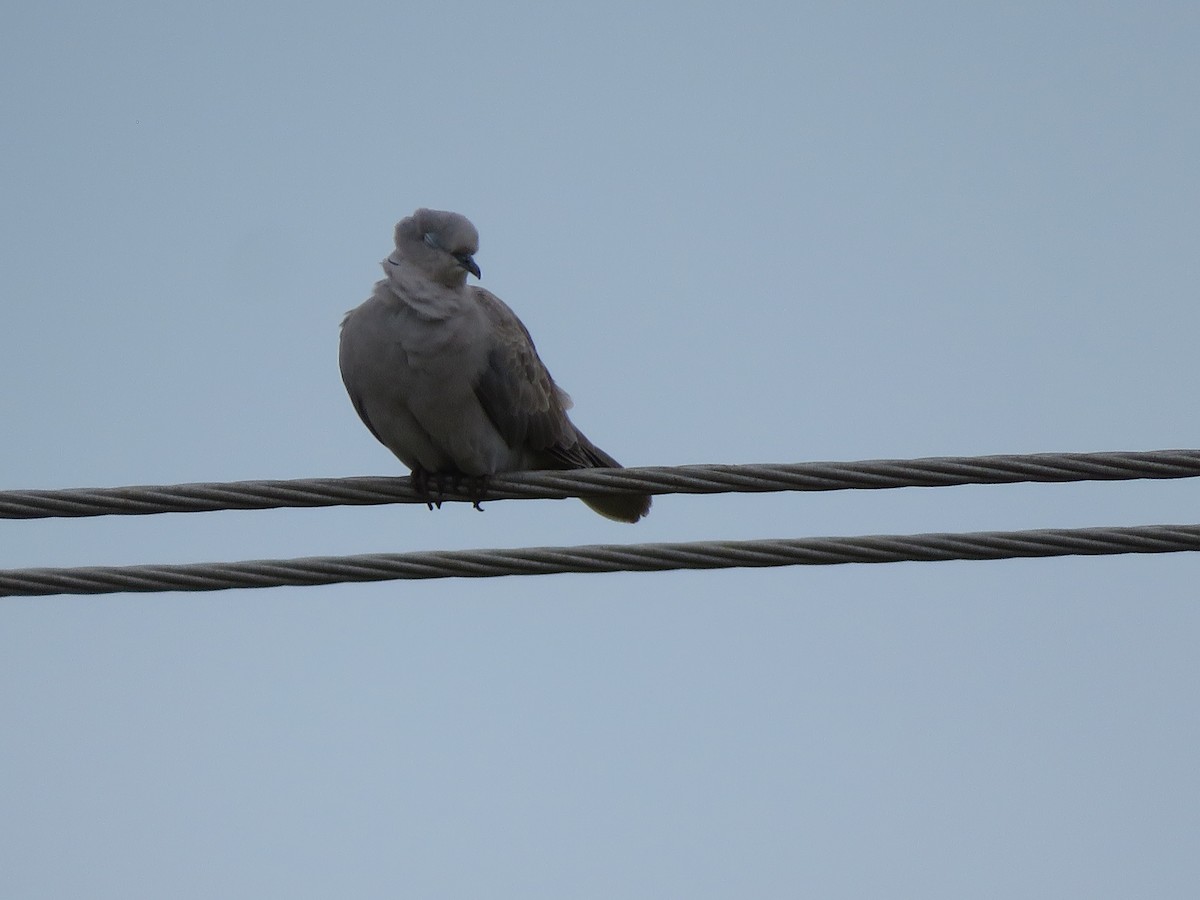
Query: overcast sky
x,y
738,233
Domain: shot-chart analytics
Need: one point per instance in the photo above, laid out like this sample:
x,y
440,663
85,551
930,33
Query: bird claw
x,y
477,486
420,481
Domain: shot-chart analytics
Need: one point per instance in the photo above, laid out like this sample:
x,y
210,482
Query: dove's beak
x,y
468,262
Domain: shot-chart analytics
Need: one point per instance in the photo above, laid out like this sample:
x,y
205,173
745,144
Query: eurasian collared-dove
x,y
447,377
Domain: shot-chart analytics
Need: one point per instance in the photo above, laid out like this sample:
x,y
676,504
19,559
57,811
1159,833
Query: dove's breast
x,y
413,380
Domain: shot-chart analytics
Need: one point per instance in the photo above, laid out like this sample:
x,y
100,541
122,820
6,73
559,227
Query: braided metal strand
x,y
602,558
696,479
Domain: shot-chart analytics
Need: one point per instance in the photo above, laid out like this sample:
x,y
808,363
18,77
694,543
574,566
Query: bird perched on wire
x,y
447,378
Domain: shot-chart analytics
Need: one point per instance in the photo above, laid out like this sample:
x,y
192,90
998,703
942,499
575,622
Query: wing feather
x,y
521,399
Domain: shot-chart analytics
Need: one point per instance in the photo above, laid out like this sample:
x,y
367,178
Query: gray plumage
x,y
446,376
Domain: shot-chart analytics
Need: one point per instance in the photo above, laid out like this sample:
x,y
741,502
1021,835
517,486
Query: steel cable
x,y
602,558
694,479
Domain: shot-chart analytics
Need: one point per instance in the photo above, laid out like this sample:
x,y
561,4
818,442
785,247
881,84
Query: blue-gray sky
x,y
739,233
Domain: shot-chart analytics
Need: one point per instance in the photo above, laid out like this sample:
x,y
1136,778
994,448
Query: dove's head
x,y
440,244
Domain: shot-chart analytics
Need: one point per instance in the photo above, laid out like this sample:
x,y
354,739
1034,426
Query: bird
x,y
447,377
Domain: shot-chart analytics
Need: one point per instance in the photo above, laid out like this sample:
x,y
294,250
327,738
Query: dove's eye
x,y
432,241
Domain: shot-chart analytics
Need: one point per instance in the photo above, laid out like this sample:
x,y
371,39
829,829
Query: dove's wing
x,y
521,399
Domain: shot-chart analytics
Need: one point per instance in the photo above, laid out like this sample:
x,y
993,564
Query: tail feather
x,y
618,507
627,508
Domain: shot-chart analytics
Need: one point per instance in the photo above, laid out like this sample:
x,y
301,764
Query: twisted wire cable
x,y
941,471
602,558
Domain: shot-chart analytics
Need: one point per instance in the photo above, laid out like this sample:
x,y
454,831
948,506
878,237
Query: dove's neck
x,y
419,293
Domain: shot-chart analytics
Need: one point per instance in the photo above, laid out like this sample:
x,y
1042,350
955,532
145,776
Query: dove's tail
x,y
628,508
619,508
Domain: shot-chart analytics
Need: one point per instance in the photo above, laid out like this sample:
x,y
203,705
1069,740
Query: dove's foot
x,y
420,481
446,483
477,486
